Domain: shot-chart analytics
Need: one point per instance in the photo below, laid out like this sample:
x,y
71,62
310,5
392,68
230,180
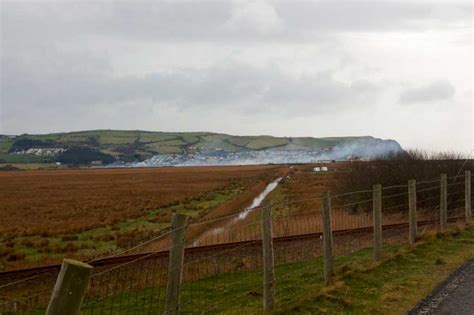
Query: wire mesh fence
x,y
223,266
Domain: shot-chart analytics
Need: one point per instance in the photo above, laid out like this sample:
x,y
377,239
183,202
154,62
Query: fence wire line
x,y
394,207
123,264
428,181
437,206
454,184
427,189
438,197
352,193
394,186
395,195
27,279
219,254
352,204
463,164
140,245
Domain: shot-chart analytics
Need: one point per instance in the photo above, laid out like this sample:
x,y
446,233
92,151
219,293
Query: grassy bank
x,y
393,286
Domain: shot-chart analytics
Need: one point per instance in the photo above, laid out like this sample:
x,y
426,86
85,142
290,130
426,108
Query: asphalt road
x,y
454,296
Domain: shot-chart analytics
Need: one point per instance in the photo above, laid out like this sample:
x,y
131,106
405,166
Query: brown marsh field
x,y
47,215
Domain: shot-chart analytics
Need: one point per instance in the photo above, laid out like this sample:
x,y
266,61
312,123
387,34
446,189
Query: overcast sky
x,y
391,69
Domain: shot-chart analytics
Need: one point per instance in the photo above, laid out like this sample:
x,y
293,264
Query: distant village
x,y
216,156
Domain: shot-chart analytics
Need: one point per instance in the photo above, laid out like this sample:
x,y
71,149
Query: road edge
x,y
441,291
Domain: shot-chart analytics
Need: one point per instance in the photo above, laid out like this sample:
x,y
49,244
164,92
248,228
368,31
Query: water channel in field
x,y
257,201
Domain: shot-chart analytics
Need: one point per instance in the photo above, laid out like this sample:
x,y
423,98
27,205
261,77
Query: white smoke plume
x,y
361,148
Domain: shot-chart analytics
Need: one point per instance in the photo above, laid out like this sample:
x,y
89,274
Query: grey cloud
x,y
75,81
50,77
435,91
363,15
69,89
222,20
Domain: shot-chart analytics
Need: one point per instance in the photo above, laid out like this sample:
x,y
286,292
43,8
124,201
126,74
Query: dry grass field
x,y
49,214
300,192
58,202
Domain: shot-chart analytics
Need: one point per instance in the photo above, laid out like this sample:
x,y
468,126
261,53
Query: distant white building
x,y
324,169
42,151
317,169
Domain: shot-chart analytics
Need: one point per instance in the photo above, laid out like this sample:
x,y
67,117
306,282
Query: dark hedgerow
x,y
82,156
397,168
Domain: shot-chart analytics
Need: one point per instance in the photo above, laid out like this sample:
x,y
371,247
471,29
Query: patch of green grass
x,y
155,136
266,142
44,137
24,158
165,149
257,143
5,144
280,195
391,287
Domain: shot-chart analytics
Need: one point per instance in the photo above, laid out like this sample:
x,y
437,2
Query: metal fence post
x,y
268,260
70,287
175,263
377,220
467,196
412,211
443,203
327,239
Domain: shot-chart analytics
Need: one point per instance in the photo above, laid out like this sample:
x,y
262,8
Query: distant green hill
x,y
84,147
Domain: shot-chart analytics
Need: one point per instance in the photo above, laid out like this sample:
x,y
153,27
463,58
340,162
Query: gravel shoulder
x,y
455,295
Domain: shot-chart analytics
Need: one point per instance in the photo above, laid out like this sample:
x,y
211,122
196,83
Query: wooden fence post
x,y
268,260
327,239
70,287
377,220
467,196
443,203
175,263
412,211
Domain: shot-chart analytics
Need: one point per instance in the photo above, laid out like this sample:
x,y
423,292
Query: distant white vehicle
x,y
317,169
324,169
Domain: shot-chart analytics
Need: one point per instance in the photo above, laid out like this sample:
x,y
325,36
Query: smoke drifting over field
x,y
362,149
366,149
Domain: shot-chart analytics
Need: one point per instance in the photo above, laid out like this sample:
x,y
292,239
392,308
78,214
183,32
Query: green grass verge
x,y
391,287
361,286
